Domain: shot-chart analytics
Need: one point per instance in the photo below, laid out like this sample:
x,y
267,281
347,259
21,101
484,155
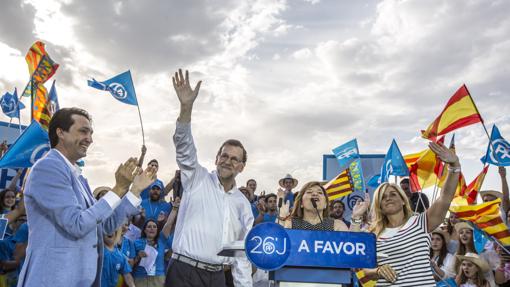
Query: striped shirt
x,y
408,249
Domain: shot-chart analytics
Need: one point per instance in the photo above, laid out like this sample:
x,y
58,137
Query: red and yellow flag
x,y
40,110
40,66
424,168
471,191
363,280
339,186
460,111
487,217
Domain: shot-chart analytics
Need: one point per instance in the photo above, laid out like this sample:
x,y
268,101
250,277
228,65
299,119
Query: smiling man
x,y
201,232
66,223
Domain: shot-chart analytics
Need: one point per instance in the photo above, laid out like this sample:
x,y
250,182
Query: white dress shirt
x,y
209,217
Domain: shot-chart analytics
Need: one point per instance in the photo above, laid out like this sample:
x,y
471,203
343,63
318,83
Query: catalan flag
x,y
487,217
340,186
460,111
363,280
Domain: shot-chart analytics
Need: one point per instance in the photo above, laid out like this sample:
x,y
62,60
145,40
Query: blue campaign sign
x,y
268,246
333,249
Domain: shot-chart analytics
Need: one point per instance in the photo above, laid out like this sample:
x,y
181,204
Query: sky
x,y
290,79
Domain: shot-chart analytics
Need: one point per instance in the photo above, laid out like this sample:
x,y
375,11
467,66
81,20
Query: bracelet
x,y
454,169
358,220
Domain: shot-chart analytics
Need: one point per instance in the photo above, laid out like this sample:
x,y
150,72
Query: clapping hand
x,y
124,176
143,179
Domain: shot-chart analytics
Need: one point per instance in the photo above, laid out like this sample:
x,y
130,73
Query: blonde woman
x,y
309,217
403,240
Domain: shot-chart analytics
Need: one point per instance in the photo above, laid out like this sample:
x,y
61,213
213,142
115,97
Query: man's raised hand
x,y
183,89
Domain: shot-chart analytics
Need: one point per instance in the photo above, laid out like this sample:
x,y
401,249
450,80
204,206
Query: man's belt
x,y
197,264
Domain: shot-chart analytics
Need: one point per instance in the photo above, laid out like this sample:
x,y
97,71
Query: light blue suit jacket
x,y
65,243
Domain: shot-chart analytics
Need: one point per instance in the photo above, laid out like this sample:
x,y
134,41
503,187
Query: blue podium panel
x,y
331,249
311,275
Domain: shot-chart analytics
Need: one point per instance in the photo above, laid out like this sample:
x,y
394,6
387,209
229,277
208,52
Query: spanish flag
x,y
340,186
487,217
471,191
424,168
460,111
363,280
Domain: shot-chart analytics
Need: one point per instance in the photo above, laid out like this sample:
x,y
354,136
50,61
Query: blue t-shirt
x,y
290,197
269,218
127,248
145,193
153,209
160,259
114,264
254,209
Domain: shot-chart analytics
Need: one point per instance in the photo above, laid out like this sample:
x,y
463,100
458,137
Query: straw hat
x,y
463,225
288,176
443,233
494,193
100,189
475,259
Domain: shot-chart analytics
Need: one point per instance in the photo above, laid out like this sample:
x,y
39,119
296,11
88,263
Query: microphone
x,y
280,202
314,203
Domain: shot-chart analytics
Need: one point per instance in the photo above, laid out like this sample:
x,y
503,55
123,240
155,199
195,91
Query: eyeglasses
x,y
224,157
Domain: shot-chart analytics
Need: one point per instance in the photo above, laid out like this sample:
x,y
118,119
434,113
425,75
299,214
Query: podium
x,y
324,258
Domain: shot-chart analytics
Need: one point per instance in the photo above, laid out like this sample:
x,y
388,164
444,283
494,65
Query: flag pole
x,y
141,123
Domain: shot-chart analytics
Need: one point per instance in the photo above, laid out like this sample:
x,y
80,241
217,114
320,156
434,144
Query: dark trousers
x,y
183,275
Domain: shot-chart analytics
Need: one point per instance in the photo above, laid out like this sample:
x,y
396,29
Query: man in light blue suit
x,y
66,223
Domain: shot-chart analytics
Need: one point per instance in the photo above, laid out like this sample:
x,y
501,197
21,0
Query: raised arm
x,y
438,210
357,213
186,95
167,228
504,188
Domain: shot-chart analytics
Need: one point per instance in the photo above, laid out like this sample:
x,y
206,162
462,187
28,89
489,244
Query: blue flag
x,y
11,105
498,151
346,153
54,106
394,164
121,87
30,146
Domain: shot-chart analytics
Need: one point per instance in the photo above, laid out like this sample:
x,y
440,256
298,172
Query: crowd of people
x,y
141,232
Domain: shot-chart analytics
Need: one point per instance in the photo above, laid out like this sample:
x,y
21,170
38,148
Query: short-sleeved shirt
x,y
407,249
153,209
114,264
127,247
269,218
160,259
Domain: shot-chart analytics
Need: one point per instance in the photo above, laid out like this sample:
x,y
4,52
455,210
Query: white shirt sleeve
x,y
112,199
241,268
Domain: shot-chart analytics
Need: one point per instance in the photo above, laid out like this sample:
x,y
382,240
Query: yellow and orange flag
x,y
460,111
41,68
424,168
474,187
487,217
339,186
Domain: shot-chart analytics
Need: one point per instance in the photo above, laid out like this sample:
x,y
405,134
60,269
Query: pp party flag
x,y
121,87
53,99
339,186
498,151
40,66
424,172
487,217
30,146
11,105
346,153
393,164
460,111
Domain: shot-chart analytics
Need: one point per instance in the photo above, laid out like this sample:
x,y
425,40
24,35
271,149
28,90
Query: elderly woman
x,y
403,239
309,216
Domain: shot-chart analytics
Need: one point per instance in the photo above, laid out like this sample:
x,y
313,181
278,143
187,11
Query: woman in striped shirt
x,y
403,240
